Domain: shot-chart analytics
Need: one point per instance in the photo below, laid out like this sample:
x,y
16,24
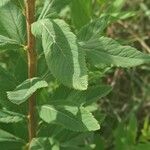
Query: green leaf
x,y
19,3
132,129
3,2
97,92
64,58
10,117
119,15
6,77
79,98
9,141
72,147
25,90
41,143
7,43
116,6
81,12
121,141
12,22
51,6
74,138
99,142
72,118
145,146
93,29
107,51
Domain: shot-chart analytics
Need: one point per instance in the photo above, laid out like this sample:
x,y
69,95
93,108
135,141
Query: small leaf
x,y
12,22
97,92
9,141
72,118
7,43
132,129
64,58
107,51
93,29
79,98
41,143
25,90
81,12
10,117
52,6
6,77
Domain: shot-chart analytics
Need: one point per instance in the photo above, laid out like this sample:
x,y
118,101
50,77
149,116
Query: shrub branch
x,y
31,53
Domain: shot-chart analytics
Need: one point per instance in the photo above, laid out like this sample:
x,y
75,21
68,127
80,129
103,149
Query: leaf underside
x,y
25,90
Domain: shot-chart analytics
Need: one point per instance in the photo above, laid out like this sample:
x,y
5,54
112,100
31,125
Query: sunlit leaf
x,y
25,90
72,118
64,58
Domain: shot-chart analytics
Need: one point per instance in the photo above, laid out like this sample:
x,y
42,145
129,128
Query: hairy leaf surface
x,y
10,117
25,90
79,98
73,118
107,51
93,29
52,6
64,58
12,22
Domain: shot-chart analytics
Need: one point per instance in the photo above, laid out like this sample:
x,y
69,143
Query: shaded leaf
x,y
97,92
81,12
145,146
9,141
7,81
41,143
93,29
79,98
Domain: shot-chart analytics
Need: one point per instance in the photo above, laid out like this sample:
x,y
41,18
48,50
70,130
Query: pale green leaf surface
x,y
10,117
41,143
3,2
107,51
25,90
64,58
72,118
